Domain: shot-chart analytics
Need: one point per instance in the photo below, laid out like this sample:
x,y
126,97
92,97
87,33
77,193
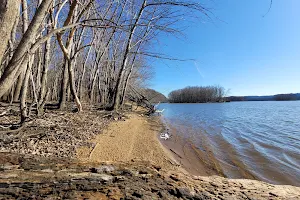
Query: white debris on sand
x,y
165,136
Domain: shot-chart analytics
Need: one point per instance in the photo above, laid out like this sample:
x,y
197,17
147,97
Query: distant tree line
x,y
277,97
198,94
285,97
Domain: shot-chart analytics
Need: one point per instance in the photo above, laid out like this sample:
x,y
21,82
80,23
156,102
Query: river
x,y
258,138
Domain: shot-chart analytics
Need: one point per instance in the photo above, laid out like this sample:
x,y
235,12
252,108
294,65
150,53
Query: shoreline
x,y
137,139
199,160
191,159
125,160
130,140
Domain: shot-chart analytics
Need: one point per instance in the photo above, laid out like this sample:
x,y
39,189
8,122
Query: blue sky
x,y
237,48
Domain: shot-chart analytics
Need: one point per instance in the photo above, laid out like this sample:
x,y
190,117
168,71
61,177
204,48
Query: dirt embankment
x,y
125,161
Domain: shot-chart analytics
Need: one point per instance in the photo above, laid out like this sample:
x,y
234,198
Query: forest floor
x,y
101,155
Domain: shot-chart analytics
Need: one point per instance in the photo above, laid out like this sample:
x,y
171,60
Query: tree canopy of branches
x,y
81,50
198,94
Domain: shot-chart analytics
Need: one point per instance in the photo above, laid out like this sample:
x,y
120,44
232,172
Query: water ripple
x,y
259,138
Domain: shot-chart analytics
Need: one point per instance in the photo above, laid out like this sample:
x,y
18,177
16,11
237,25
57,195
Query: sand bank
x,y
137,138
134,139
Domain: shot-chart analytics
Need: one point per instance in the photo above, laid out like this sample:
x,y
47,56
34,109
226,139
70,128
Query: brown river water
x,y
259,140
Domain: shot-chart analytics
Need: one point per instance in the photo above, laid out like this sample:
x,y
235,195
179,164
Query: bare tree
x,y
9,11
93,51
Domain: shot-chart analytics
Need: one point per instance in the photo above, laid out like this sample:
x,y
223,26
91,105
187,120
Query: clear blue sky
x,y
238,49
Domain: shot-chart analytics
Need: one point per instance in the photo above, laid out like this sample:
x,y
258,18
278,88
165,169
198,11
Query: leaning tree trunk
x,y
8,77
118,88
22,74
125,85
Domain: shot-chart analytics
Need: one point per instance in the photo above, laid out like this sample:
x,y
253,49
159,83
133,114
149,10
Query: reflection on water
x,y
249,139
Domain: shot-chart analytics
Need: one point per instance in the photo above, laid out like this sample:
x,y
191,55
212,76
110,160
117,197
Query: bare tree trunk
x,y
34,89
9,11
125,85
82,75
64,85
12,43
25,27
8,77
67,50
23,107
72,86
93,87
118,88
19,85
45,70
38,74
69,90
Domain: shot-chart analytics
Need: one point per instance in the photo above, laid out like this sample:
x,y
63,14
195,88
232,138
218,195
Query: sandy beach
x,y
137,139
132,139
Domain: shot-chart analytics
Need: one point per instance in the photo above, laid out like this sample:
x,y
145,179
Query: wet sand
x,y
192,159
200,161
196,161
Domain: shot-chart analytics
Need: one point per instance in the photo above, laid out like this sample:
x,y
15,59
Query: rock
x,y
47,170
101,169
8,166
127,172
184,192
103,177
157,167
174,177
137,194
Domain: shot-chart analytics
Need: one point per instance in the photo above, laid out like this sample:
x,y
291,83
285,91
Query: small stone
x,y
184,192
47,170
273,194
104,177
157,167
175,178
102,169
137,194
